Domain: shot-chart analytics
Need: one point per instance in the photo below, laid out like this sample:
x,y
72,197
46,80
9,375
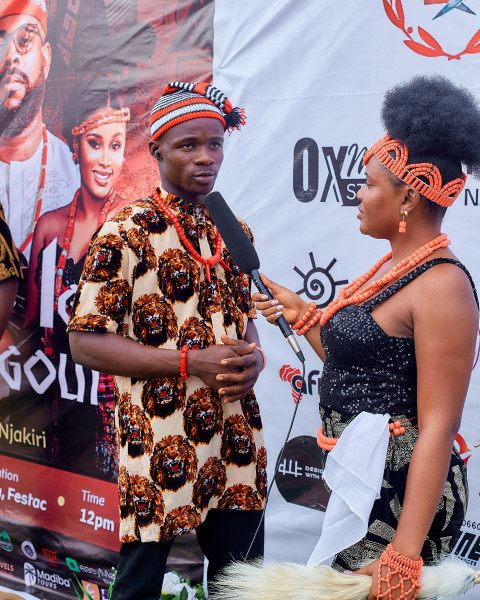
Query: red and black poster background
x,y
58,463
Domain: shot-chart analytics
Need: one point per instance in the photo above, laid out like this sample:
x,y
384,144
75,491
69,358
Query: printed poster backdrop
x,y
311,77
58,465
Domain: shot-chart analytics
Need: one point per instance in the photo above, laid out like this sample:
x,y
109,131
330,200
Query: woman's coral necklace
x,y
41,187
69,234
348,295
208,263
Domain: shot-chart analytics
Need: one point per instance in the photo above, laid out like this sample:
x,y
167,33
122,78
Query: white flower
x,y
170,581
191,593
172,584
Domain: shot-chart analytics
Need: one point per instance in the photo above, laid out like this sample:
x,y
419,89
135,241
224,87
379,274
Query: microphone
x,y
244,254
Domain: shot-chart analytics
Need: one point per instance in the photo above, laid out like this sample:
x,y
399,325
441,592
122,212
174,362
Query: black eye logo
x,y
318,283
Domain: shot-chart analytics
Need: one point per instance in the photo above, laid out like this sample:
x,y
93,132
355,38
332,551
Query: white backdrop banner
x,y
312,76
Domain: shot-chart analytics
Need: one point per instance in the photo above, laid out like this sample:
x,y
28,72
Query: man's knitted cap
x,y
181,102
36,8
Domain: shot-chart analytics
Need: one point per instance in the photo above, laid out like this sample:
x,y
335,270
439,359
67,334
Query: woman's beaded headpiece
x,y
410,173
105,117
181,102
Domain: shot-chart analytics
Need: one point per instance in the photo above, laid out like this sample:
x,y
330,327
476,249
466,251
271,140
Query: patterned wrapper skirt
x,y
445,529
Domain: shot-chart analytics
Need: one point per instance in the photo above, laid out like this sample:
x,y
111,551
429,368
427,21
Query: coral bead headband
x,y
104,117
181,102
433,190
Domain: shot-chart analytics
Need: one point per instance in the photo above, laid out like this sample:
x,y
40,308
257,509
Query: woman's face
x,y
380,202
101,157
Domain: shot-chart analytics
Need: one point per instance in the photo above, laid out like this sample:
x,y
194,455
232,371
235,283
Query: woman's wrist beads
x,y
309,319
396,571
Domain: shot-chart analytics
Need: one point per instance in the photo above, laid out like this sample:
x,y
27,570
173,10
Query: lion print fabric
x,y
182,450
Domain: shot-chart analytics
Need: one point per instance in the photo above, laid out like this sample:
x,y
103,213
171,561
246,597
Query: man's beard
x,y
14,121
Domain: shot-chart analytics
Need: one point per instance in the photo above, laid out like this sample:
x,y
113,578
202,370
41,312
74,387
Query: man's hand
x,y
248,364
207,364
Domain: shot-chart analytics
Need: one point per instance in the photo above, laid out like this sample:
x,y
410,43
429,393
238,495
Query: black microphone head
x,y
236,240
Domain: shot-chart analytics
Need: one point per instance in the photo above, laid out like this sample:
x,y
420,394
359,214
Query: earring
x,y
75,151
402,226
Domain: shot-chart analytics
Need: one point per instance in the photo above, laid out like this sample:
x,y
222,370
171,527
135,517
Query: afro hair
x,y
436,118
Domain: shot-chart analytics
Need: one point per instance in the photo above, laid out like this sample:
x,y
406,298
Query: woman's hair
x,y
440,124
82,105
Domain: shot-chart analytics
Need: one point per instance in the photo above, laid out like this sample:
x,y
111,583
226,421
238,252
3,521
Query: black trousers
x,y
225,535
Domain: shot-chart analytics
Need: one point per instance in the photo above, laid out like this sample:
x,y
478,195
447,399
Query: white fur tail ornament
x,y
292,581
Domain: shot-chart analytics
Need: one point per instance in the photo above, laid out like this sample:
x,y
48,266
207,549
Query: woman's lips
x,y
102,177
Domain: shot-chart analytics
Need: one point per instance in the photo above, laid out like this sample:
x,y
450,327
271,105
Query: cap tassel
x,y
235,118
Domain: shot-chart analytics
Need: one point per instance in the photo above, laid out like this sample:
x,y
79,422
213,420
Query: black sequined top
x,y
366,369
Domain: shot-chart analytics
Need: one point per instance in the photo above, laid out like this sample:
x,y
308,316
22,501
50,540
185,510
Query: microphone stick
x,y
244,254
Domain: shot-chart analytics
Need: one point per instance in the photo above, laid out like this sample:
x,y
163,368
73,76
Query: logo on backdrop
x,y
72,564
344,172
5,542
318,283
105,574
299,477
434,42
293,376
468,546
51,556
6,568
29,575
462,447
91,591
29,550
40,577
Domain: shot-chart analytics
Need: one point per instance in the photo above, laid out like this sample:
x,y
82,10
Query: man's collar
x,y
178,204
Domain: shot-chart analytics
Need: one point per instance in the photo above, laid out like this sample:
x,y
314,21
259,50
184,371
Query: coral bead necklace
x,y
208,263
69,234
350,295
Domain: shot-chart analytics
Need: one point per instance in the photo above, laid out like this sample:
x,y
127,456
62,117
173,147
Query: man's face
x,y
24,64
191,155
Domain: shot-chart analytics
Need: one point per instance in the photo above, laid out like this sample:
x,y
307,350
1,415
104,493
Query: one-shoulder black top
x,y
365,368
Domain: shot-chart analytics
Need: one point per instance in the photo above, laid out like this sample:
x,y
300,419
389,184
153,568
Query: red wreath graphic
x,y
431,47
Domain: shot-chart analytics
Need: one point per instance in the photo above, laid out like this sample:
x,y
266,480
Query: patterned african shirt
x,y
182,450
9,261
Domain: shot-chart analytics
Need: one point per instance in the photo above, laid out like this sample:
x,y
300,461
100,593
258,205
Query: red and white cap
x,y
181,102
36,8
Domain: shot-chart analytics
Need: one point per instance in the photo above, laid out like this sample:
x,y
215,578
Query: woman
x,y
400,340
98,143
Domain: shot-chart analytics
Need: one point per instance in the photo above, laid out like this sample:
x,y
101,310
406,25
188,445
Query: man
x,y
162,306
10,272
37,173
